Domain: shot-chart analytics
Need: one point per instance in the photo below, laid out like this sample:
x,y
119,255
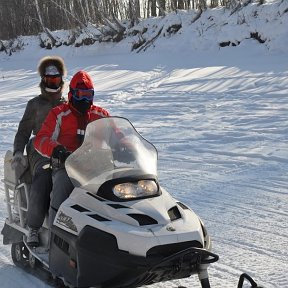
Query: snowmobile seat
x,y
16,185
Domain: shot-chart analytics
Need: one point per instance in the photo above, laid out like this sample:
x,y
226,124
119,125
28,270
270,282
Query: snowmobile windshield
x,y
112,149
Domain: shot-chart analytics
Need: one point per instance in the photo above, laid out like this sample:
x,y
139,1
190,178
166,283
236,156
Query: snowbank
x,y
194,30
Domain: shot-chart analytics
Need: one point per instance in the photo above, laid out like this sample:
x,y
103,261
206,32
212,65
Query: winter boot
x,y
33,237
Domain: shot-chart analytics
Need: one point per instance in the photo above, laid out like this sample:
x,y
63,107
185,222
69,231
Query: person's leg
x,y
62,188
39,198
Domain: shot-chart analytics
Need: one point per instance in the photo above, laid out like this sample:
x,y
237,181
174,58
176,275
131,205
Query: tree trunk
x,y
161,6
47,31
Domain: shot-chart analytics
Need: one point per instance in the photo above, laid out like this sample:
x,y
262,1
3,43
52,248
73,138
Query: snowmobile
x,y
119,227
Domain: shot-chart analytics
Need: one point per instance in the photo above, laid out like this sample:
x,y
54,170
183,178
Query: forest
x,y
31,17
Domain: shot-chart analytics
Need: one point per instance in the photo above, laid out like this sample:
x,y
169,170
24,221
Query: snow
x,y
218,117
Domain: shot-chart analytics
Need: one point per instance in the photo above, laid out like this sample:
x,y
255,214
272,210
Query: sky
x,y
218,117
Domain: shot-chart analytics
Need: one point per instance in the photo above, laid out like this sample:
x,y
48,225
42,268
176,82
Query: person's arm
x,y
24,129
46,139
99,112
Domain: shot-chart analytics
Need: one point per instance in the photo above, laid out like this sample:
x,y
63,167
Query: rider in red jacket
x,y
63,132
65,125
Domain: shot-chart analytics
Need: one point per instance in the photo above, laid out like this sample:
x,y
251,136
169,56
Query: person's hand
x,y
18,159
61,153
125,151
126,143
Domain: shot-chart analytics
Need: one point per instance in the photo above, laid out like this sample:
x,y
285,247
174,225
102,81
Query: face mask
x,y
81,105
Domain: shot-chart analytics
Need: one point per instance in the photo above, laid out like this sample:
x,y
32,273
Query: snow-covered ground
x,y
219,119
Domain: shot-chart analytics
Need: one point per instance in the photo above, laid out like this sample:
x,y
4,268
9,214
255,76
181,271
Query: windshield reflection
x,y
112,149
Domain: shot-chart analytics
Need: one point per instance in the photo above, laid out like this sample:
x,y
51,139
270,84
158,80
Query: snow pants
x,y
62,188
39,196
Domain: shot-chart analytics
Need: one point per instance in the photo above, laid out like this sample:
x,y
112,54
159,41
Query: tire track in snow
x,y
222,153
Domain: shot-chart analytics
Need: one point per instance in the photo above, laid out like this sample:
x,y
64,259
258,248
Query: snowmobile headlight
x,y
131,190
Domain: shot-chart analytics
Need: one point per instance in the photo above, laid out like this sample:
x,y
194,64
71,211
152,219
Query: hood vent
x,y
80,208
143,219
174,213
118,206
98,217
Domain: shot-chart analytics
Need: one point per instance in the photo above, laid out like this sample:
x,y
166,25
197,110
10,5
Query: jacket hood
x,y
56,61
80,80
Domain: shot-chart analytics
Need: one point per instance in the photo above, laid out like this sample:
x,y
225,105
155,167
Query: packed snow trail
x,y
221,132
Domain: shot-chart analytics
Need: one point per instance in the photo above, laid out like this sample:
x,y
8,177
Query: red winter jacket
x,y
61,125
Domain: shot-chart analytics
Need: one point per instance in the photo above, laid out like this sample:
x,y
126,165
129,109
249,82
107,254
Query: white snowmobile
x,y
119,227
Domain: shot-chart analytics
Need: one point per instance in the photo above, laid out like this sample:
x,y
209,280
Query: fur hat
x,y
47,61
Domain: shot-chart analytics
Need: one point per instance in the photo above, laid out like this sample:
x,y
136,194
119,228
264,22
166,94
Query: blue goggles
x,y
83,94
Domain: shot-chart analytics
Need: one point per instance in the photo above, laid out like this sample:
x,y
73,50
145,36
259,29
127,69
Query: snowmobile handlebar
x,y
245,276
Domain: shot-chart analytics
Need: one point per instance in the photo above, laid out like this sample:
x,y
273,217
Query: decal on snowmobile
x,y
170,228
66,221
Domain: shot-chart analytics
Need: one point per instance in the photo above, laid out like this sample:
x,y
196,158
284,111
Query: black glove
x,y
124,154
61,153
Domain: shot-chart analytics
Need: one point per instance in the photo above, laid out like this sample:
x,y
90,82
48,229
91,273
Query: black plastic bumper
x,y
97,261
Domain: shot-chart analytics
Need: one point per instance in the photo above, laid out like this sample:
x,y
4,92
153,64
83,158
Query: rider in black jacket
x,y
51,70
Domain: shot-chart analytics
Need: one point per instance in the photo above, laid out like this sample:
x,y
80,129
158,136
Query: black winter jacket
x,y
35,113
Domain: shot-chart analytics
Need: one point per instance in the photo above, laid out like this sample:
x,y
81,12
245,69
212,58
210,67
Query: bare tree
x,y
134,11
161,6
30,17
45,29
